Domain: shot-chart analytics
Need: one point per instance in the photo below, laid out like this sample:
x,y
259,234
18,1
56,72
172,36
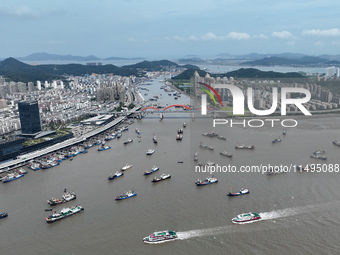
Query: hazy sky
x,y
172,28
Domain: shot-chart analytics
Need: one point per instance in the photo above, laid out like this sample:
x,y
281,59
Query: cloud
x,y
193,38
282,34
324,33
231,35
209,36
20,11
179,38
261,36
25,12
238,36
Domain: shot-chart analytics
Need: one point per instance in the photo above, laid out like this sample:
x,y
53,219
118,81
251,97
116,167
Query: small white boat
x,y
126,167
150,152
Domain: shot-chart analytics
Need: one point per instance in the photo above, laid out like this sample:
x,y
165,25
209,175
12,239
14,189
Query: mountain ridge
x,y
43,56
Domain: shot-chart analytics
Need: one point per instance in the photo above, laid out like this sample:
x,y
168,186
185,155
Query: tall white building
x,y
330,71
60,85
54,84
39,85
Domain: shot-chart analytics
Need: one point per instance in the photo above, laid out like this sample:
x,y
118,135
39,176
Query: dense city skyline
x,y
154,29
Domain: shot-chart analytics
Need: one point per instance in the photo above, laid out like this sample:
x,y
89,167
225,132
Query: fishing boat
x,y
3,215
179,137
126,128
180,130
284,132
226,154
126,195
99,142
243,191
208,180
116,175
249,147
160,237
66,212
119,135
21,171
304,168
150,152
210,134
337,143
275,170
109,137
319,152
34,166
196,156
66,197
221,137
88,145
277,140
246,218
11,177
184,124
126,167
137,131
128,141
49,164
104,147
153,169
202,145
161,178
154,139
318,157
210,163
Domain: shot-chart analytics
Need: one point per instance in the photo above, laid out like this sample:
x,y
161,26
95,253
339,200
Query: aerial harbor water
x,y
298,209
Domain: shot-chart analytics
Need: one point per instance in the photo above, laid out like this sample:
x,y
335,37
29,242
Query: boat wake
x,y
282,213
204,232
231,228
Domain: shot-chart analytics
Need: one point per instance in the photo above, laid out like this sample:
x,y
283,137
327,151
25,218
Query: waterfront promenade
x,y
24,159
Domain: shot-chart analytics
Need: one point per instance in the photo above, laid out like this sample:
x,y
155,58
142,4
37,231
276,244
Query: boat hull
x,y
122,198
161,179
237,194
22,175
34,168
61,200
207,183
115,177
148,173
65,216
160,241
104,149
50,166
246,221
3,215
